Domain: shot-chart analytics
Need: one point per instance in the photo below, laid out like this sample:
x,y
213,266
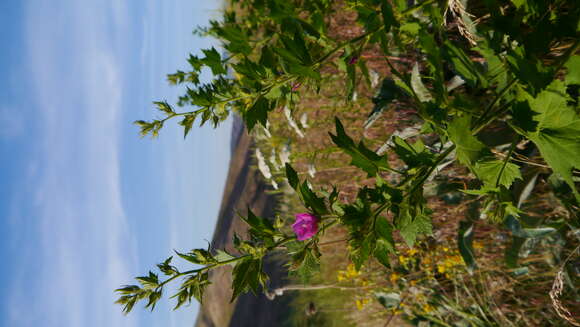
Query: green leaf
x,y
464,66
236,39
362,157
247,275
222,256
197,256
198,286
496,72
469,149
551,106
166,268
153,298
164,107
214,61
260,228
311,200
512,253
193,286
410,28
306,264
389,91
362,233
518,3
492,171
360,250
258,113
418,87
465,242
411,227
128,302
297,49
388,16
384,231
558,131
187,123
573,67
128,289
432,49
561,150
382,250
414,155
300,26
250,70
368,17
292,177
485,190
384,241
149,282
529,70
523,117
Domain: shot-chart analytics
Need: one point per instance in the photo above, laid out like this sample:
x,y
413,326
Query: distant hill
x,y
244,187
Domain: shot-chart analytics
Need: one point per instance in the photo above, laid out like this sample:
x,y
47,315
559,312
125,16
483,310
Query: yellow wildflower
x,y
351,271
360,303
341,276
394,277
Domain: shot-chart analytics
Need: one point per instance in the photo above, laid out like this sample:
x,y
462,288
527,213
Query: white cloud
x,y
84,248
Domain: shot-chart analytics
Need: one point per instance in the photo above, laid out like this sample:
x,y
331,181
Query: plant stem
x,y
222,263
417,7
332,242
492,104
441,157
498,113
344,44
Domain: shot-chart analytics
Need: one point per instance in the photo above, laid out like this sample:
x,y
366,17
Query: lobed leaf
x,y
362,157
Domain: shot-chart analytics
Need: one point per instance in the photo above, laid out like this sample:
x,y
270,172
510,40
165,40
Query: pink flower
x,y
306,226
353,60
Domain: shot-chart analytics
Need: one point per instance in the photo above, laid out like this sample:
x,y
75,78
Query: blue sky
x,y
85,203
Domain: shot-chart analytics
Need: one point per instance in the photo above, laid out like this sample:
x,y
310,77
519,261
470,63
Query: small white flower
x,y
304,120
285,155
274,160
266,131
374,78
311,170
262,166
292,122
